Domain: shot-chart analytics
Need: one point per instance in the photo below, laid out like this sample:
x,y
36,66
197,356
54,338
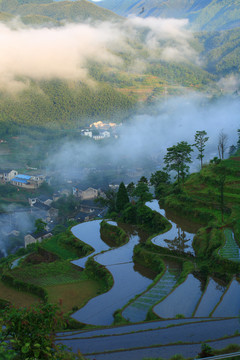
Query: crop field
x,y
73,295
210,298
182,301
18,298
47,274
55,246
229,304
230,250
138,309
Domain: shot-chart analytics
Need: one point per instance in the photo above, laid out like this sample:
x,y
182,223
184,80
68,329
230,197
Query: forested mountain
x,y
43,11
221,51
203,14
139,77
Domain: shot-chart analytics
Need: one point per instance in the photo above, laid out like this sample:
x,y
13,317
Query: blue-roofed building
x,y
27,181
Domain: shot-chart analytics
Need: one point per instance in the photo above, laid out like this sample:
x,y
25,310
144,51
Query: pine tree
x,y
122,197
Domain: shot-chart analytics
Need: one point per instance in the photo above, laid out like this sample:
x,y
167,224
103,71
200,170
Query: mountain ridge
x,y
203,15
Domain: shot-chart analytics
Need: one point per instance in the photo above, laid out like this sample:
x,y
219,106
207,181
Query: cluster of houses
x,y
100,130
21,180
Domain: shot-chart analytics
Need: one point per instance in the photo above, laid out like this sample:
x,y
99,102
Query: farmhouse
x,y
7,175
87,132
102,135
36,237
88,194
27,181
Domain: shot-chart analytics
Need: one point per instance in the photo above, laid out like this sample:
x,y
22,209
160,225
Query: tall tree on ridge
x,y
200,143
177,158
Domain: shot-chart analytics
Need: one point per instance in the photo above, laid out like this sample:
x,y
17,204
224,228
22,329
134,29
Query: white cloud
x,y
64,52
56,52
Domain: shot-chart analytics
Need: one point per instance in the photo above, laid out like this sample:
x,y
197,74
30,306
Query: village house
x,y
27,181
87,132
36,237
88,194
42,199
7,175
102,135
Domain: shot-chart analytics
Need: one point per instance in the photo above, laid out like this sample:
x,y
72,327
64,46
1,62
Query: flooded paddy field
x,y
191,298
212,295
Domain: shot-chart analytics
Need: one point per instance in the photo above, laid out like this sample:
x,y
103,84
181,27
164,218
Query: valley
x,y
119,179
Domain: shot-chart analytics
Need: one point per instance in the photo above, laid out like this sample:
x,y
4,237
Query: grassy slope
x,y
202,187
60,278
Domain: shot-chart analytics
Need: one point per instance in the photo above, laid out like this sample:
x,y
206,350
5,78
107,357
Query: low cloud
x,y
64,52
229,84
170,38
48,53
148,136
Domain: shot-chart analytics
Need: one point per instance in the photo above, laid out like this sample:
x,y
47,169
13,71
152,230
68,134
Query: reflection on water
x,y
183,300
229,305
138,309
127,281
210,298
175,238
179,242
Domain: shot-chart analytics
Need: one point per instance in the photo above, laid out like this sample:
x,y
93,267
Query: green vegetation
x,y
113,235
205,15
32,332
100,273
177,158
221,50
45,11
122,197
211,196
55,104
66,246
230,250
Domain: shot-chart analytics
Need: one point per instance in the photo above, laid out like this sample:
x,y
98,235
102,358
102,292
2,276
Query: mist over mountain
x,y
78,62
202,14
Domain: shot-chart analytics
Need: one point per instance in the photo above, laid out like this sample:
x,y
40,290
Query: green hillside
x,y
59,104
58,11
221,51
203,14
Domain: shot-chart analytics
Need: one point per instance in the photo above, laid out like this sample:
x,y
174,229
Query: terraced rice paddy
x,y
127,282
182,301
186,300
231,249
138,309
229,304
210,298
89,232
175,238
